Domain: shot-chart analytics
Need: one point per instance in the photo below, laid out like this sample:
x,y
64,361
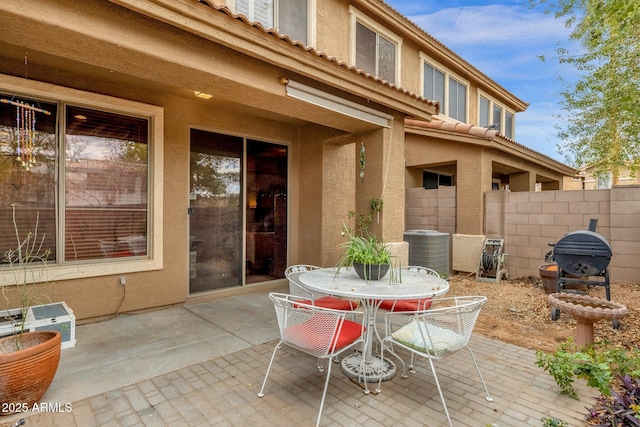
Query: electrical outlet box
x,y
122,280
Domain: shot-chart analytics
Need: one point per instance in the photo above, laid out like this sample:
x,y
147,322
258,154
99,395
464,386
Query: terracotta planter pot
x,y
25,375
548,274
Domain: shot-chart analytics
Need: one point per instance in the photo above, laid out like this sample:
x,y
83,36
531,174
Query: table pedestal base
x,y
375,368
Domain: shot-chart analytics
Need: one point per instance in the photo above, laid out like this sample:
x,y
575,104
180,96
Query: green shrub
x,y
598,363
553,422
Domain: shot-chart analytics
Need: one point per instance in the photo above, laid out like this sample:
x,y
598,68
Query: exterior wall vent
x,y
429,248
466,251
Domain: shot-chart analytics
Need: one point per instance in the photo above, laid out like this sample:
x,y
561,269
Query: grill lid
x,y
582,253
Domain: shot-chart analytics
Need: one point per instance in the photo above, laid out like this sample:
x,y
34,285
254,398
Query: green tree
x,y
600,118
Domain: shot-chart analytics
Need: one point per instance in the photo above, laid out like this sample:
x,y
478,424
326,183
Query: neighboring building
x,y
593,180
189,147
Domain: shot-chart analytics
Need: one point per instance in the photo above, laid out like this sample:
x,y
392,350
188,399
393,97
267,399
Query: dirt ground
x,y
518,311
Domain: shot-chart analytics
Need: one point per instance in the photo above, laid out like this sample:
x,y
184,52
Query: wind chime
x,y
362,160
25,131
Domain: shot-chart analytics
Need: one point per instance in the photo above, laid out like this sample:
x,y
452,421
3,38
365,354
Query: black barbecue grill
x,y
582,257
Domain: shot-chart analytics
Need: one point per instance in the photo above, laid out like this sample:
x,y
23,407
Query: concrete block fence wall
x,y
431,209
529,221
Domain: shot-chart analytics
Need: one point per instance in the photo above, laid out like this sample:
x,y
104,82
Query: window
x,y
449,90
484,113
497,117
494,116
604,180
83,177
508,124
457,100
434,180
434,84
375,53
106,180
290,17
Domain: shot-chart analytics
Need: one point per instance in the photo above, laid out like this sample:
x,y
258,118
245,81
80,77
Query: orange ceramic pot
x,y
25,375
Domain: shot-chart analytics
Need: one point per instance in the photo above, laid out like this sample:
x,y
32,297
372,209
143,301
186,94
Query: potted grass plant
x,y
28,360
369,257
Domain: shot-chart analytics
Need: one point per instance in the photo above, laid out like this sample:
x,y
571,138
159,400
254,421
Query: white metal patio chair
x,y
436,333
312,297
317,331
413,304
407,305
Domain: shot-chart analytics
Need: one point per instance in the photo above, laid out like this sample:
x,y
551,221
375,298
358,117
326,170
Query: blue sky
x,y
503,39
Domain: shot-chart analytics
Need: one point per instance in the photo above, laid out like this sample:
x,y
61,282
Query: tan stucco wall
x,y
474,163
101,295
101,48
333,29
473,175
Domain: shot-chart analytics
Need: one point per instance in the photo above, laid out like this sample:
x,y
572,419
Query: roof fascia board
x,y
403,26
222,28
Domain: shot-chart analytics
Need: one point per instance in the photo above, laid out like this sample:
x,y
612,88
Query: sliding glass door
x,y
238,211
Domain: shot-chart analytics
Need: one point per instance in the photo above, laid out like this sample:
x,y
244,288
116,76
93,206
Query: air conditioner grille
x,y
429,248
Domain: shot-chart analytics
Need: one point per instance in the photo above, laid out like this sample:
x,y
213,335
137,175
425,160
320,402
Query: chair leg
x,y
273,355
320,366
488,397
435,377
324,393
412,365
389,347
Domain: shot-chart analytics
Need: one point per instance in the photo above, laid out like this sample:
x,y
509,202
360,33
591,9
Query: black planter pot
x,y
371,271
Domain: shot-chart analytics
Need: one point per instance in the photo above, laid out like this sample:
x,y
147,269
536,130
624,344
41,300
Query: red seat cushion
x,y
406,305
336,303
313,334
332,303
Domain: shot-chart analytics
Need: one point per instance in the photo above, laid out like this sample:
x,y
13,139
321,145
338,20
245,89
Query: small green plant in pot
x,y
370,257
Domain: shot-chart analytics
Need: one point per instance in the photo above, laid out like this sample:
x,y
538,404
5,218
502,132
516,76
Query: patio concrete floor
x,y
203,364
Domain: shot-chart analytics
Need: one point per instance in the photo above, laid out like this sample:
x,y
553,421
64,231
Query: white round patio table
x,y
407,284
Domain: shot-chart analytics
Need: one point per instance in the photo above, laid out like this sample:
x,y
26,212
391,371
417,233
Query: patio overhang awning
x,y
336,104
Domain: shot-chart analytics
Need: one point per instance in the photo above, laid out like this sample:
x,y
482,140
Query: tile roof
x,y
463,128
489,135
273,32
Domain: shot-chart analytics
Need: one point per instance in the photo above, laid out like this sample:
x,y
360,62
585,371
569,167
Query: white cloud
x,y
504,41
497,25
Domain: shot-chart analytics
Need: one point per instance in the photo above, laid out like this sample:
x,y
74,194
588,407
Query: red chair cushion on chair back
x,y
406,305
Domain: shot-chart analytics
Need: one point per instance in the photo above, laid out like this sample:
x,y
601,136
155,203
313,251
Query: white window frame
x,y
155,115
358,17
444,110
311,19
503,118
604,181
